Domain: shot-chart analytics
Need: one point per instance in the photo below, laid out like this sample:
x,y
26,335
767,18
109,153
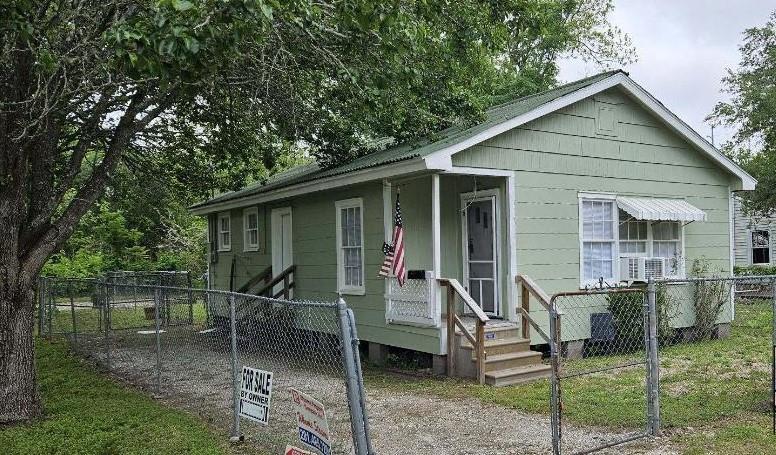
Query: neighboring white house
x,y
754,238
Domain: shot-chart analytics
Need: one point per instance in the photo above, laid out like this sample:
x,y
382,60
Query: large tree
x,y
191,89
752,112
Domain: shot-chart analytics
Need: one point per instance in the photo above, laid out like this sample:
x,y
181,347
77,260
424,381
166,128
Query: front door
x,y
480,248
282,249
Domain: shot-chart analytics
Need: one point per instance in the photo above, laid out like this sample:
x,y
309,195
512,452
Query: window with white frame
x,y
609,235
350,246
224,232
599,239
761,247
251,229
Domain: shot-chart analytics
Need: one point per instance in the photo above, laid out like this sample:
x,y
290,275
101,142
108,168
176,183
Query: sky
x,y
684,48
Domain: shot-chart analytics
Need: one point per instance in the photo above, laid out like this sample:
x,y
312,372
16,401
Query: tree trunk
x,y
19,397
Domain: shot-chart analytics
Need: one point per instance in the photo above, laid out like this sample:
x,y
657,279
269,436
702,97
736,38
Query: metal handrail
x,y
477,339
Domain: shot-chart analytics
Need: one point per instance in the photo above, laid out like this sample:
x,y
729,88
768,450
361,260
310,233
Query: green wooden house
x,y
594,181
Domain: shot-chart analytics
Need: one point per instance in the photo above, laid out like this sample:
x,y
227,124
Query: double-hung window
x,y
224,232
761,247
251,229
599,240
667,243
350,246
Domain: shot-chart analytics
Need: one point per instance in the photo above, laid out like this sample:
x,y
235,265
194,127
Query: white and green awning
x,y
655,209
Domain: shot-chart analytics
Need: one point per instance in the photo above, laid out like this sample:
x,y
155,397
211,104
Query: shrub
x,y
627,310
754,270
709,298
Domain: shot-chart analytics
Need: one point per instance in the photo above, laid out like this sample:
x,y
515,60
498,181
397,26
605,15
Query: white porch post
x,y
388,233
436,241
511,248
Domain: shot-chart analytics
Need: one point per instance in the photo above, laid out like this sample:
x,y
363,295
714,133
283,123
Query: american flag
x,y
394,253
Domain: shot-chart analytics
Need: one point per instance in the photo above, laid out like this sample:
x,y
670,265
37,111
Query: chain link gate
x,y
188,346
596,332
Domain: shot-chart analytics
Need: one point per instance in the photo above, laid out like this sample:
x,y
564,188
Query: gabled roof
x,y
435,152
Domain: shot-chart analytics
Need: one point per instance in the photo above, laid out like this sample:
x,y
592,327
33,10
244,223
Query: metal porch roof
x,y
660,209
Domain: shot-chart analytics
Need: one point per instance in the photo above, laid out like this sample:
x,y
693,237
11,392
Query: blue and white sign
x,y
311,422
255,394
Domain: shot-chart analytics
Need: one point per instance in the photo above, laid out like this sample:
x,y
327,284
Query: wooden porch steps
x,y
508,357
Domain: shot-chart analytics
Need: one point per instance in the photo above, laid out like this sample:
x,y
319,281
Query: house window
x,y
224,232
633,235
350,247
667,243
761,247
251,229
598,240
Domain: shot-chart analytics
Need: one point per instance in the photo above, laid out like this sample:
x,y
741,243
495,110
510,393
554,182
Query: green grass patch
x,y
88,413
89,319
719,388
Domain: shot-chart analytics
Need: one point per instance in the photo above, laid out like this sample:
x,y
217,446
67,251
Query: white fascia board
x,y
442,159
351,178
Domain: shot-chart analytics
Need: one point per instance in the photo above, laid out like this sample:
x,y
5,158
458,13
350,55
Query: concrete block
x,y
378,354
722,330
574,349
439,364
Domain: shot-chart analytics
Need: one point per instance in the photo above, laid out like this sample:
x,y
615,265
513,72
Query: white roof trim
x,y
654,209
442,159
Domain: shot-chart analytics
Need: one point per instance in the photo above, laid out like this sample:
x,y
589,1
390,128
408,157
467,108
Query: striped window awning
x,y
660,209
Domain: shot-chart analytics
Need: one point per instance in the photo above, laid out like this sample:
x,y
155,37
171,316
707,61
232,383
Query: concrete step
x,y
517,375
510,360
501,346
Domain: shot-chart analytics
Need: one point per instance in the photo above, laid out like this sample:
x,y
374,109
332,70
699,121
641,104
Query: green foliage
x,y
754,270
709,298
752,111
627,310
88,413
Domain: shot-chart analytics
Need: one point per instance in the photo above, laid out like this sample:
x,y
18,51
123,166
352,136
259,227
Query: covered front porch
x,y
458,226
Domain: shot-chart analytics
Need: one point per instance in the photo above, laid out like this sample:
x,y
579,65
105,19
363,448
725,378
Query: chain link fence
x,y
597,335
189,346
658,350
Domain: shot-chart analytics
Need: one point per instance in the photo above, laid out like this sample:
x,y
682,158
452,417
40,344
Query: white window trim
x,y
612,197
221,246
341,287
750,247
607,197
246,239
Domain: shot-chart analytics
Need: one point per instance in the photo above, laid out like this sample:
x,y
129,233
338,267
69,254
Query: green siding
x,y
314,252
559,155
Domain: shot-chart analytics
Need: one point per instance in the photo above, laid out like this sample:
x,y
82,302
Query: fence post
x,y
236,436
554,379
653,361
106,288
41,303
773,355
351,382
51,303
191,298
157,299
360,377
72,313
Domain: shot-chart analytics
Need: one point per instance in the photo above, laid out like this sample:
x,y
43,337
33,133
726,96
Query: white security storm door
x,y
282,243
480,249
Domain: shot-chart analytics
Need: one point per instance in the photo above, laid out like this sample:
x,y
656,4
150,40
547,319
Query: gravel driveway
x,y
196,376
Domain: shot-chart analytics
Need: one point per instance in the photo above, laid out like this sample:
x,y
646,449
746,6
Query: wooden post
x,y
450,329
526,306
480,351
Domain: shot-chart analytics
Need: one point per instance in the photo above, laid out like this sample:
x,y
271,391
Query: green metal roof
x,y
416,149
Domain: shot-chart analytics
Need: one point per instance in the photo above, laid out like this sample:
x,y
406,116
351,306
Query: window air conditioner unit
x,y
641,268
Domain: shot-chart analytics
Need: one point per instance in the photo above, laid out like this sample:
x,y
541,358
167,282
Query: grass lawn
x,y
88,318
88,413
715,395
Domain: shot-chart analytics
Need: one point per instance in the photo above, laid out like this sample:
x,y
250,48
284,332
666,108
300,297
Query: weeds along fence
x,y
665,354
189,346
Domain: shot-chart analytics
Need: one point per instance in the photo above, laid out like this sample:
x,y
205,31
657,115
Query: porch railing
x,y
477,339
265,276
287,277
529,288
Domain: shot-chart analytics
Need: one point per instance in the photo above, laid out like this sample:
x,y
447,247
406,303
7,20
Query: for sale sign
x,y
311,422
255,394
